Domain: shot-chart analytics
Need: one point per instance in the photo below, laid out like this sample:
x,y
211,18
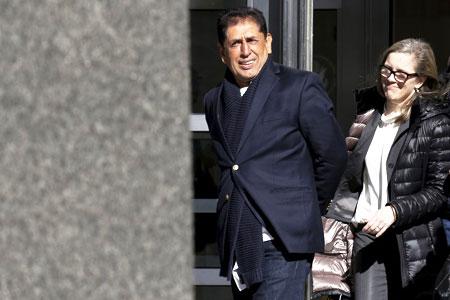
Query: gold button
x,y
235,168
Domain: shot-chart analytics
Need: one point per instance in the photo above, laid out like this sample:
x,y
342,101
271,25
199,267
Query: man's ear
x,y
269,43
221,52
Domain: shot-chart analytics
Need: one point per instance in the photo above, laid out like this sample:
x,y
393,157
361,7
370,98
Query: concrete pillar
x,y
95,168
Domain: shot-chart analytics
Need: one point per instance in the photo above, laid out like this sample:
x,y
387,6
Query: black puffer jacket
x,y
416,191
417,165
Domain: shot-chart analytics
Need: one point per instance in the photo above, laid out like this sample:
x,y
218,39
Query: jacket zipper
x,y
403,267
431,238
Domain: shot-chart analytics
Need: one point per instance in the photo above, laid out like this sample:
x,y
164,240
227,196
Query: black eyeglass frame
x,y
408,75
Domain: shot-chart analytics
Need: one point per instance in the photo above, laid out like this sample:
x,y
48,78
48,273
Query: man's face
x,y
245,50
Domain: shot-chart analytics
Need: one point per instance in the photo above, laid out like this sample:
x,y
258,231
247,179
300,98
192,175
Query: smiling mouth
x,y
247,65
391,86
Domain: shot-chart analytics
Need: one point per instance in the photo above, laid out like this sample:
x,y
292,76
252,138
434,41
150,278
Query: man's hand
x,y
381,221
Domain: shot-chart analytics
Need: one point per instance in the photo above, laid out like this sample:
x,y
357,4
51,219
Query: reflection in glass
x,y
206,171
206,176
206,68
434,16
213,292
206,255
325,49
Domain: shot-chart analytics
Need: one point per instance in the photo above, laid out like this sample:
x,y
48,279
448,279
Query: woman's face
x,y
399,88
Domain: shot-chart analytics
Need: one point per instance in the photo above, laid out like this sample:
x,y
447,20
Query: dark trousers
x,y
284,276
376,267
374,263
446,223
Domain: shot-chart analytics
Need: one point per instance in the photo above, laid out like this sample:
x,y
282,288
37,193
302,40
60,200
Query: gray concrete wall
x,y
95,170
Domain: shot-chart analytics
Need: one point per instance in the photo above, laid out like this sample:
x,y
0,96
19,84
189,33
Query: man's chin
x,y
245,80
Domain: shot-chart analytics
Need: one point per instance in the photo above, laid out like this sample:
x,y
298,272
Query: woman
x,y
391,191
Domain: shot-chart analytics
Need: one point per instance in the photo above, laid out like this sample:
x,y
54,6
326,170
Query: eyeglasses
x,y
399,76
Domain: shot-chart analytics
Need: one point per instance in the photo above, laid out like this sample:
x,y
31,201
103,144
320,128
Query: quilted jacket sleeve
x,y
429,201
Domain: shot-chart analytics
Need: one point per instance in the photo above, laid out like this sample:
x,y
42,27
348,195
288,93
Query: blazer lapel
x,y
367,135
265,86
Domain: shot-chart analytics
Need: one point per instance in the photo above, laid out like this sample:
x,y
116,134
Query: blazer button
x,y
235,167
390,165
227,197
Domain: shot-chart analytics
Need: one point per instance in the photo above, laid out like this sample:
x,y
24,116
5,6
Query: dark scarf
x,y
243,239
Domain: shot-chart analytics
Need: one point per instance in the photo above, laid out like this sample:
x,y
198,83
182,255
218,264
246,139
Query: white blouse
x,y
374,194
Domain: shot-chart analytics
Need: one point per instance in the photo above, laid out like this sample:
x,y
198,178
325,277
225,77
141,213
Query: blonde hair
x,y
425,66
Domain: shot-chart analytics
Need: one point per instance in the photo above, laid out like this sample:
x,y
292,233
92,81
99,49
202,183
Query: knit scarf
x,y
243,241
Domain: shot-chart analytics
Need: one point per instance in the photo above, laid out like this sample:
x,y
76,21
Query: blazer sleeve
x,y
324,137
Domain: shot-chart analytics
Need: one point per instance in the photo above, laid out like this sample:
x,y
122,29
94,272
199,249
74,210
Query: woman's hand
x,y
381,221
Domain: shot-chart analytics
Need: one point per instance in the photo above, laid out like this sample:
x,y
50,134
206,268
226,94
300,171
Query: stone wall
x,y
95,167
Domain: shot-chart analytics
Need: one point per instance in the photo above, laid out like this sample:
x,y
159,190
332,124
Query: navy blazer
x,y
289,160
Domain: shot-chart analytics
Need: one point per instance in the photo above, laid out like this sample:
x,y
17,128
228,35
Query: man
x,y
281,155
